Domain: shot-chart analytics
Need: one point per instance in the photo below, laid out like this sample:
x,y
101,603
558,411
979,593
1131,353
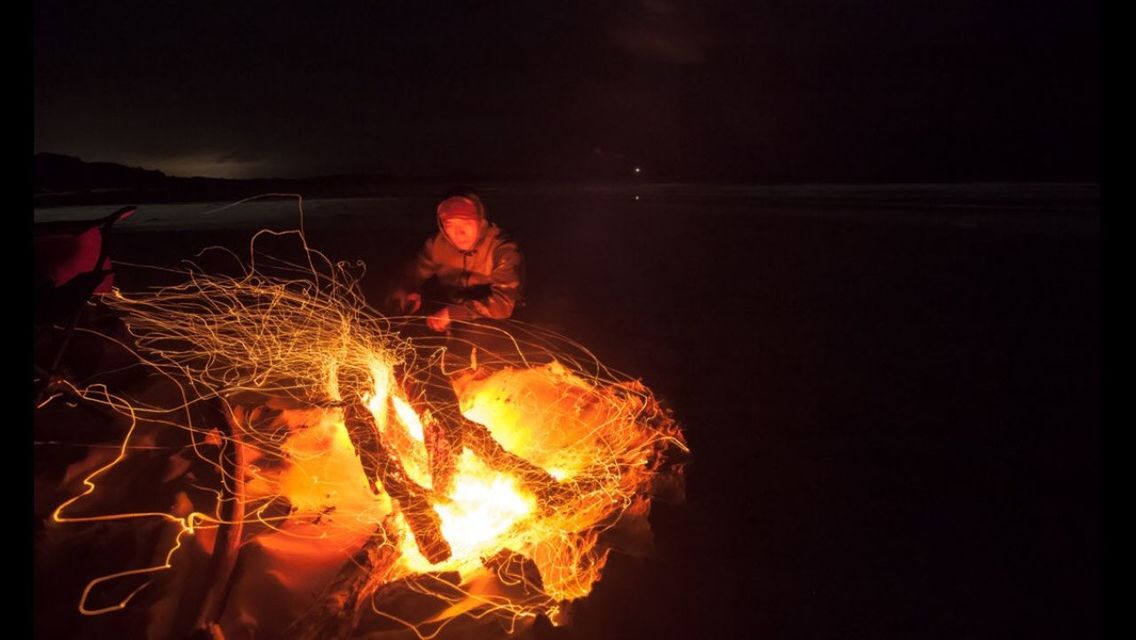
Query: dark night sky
x,y
763,90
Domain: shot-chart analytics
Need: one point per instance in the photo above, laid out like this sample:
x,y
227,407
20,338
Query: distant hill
x,y
62,180
55,173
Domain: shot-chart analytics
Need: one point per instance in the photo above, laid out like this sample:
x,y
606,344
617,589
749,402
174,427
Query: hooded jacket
x,y
484,282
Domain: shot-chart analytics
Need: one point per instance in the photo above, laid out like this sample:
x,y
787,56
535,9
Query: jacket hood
x,y
483,225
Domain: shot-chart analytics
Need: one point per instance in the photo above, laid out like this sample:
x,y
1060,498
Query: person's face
x,y
461,231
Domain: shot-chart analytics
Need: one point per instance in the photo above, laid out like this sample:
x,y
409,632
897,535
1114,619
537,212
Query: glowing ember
x,y
338,447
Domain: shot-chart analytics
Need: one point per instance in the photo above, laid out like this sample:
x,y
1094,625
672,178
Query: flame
x,y
408,418
483,506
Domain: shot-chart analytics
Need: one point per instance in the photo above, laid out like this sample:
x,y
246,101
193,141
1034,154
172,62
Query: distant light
x,y
636,197
638,170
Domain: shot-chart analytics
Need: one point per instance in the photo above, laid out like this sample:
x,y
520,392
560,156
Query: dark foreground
x,y
893,407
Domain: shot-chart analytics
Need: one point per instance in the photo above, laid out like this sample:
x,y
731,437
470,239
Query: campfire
x,y
354,473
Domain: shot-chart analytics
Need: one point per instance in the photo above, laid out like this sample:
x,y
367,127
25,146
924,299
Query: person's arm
x,y
408,297
504,289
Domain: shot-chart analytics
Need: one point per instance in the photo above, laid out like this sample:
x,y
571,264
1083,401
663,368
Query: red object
x,y
457,207
72,264
59,257
74,255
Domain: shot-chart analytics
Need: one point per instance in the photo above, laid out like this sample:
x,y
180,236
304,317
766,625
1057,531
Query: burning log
x,y
226,546
382,464
444,442
449,432
442,449
479,440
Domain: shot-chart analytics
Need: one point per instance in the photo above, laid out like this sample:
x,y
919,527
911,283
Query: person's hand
x,y
438,321
405,302
414,301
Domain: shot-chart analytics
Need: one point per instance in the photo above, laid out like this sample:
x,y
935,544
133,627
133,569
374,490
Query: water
x,y
1038,207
